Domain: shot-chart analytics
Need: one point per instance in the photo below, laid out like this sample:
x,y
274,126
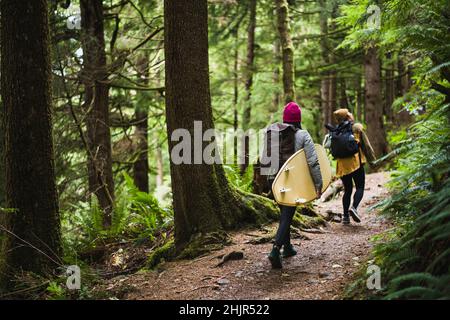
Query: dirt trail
x,y
324,265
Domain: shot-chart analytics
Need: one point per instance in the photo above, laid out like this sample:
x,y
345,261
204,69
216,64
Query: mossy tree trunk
x,y
2,159
374,104
287,49
276,77
324,50
249,72
203,202
235,91
359,99
140,165
96,99
332,93
343,99
30,235
389,88
159,164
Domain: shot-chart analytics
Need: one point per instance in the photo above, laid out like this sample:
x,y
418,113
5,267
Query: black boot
x,y
275,257
346,219
289,251
354,214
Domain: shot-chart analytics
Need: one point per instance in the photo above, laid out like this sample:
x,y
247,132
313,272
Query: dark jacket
x,y
302,140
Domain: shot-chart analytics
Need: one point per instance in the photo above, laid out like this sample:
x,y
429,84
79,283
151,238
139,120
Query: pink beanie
x,y
292,113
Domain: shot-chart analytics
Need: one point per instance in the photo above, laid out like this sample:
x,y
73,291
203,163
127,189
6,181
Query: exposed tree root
x,y
255,212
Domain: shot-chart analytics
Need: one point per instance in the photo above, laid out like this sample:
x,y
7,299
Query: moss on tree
x,y
253,211
166,252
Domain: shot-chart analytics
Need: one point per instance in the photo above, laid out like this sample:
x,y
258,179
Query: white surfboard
x,y
294,185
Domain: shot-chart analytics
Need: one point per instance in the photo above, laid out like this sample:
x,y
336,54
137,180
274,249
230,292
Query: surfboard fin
x,y
288,168
300,200
283,190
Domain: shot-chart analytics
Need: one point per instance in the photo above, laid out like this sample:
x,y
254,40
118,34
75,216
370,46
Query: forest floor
x,y
326,263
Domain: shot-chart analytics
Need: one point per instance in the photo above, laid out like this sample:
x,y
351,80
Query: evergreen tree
x,y
31,232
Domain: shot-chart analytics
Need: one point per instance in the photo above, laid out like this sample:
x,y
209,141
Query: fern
x,y
137,215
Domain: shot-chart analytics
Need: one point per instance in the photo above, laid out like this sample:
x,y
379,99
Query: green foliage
x,y
420,286
243,182
414,257
415,262
55,291
355,16
145,213
137,215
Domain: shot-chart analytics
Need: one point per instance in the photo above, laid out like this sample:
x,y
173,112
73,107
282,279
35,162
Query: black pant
x,y
358,177
283,235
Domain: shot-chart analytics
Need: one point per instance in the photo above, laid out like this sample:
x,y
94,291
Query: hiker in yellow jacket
x,y
351,169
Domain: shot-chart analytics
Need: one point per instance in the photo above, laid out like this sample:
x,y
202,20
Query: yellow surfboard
x,y
294,185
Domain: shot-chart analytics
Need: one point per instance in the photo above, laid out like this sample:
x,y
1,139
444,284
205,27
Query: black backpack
x,y
285,147
343,143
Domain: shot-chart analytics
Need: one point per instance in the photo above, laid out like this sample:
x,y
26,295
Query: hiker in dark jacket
x,y
302,140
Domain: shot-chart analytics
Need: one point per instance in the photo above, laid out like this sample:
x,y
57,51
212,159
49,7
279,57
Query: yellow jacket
x,y
345,166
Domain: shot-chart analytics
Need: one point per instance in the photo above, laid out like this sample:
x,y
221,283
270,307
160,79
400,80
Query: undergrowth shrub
x,y
415,258
137,216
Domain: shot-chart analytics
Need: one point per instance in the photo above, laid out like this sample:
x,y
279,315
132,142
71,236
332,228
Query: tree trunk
x,y
276,77
159,166
30,236
402,117
389,88
359,100
235,93
287,49
325,81
2,160
140,166
94,77
399,83
332,100
343,99
374,105
250,68
203,202
332,93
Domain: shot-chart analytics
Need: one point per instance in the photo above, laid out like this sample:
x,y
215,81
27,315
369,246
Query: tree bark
x,y
389,88
235,93
30,236
96,101
276,77
359,100
325,81
250,68
159,166
203,202
374,104
200,206
343,99
332,100
403,84
2,160
332,93
140,165
287,49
